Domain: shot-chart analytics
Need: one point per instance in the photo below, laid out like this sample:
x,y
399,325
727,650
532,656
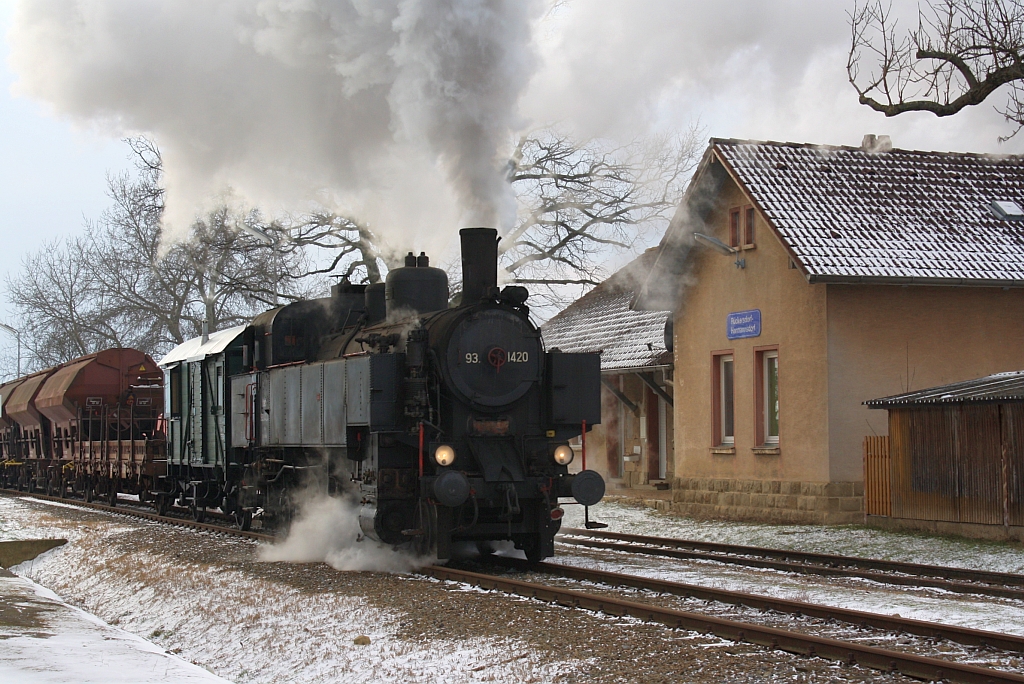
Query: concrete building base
x,y
969,530
773,501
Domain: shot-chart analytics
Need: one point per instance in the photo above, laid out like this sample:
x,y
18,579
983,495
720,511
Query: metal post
x,y
17,335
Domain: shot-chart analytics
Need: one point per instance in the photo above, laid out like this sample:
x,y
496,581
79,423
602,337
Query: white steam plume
x,y
326,531
392,110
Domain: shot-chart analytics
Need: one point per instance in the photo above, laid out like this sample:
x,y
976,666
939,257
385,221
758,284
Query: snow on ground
x,y
206,597
46,641
844,540
988,613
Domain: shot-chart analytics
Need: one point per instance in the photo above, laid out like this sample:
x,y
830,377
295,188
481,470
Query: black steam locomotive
x,y
448,423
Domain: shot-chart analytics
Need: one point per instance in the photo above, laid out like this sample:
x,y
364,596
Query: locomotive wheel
x,y
425,544
532,549
243,519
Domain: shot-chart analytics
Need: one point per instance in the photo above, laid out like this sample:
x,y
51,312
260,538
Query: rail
x,y
1000,584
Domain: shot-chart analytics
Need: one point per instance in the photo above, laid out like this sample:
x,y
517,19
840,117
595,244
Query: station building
x,y
633,446
806,280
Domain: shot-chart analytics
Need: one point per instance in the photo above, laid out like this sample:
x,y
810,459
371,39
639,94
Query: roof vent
x,y
876,143
1007,210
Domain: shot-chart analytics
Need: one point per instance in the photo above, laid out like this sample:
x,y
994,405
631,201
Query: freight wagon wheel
x,y
163,503
112,496
198,513
89,494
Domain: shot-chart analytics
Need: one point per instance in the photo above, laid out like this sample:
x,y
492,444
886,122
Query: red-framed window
x,y
766,395
723,398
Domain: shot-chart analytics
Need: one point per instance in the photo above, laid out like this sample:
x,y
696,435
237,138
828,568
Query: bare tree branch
x,y
961,53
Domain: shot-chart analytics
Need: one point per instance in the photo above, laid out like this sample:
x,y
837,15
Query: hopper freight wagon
x,y
90,427
447,423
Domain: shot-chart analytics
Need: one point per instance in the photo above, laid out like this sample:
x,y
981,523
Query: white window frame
x,y
766,364
722,360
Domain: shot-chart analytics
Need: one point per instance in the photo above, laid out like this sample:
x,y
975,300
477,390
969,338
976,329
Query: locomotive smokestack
x,y
479,263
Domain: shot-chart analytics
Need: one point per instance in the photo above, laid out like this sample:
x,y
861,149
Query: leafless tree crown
x,y
120,283
961,52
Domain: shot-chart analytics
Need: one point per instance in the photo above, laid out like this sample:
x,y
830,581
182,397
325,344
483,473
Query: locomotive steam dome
x,y
493,357
416,288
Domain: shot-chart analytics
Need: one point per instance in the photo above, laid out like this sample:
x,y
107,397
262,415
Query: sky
x,y
278,100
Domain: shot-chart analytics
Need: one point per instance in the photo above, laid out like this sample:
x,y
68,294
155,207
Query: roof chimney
x,y
876,143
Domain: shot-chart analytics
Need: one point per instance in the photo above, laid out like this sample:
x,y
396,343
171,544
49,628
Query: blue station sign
x,y
742,324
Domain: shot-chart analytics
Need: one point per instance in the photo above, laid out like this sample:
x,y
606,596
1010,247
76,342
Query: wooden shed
x,y
953,460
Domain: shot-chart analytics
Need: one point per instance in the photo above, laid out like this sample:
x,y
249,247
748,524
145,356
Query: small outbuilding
x,y
953,460
633,446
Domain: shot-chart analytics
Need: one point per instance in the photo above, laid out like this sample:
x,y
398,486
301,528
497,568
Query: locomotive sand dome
x,y
449,424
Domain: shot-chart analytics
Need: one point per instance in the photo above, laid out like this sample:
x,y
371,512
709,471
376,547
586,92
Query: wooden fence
x,y
877,476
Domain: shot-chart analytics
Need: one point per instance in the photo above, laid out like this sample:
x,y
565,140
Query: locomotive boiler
x,y
448,423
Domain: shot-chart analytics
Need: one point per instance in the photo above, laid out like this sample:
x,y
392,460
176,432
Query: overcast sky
x,y
753,69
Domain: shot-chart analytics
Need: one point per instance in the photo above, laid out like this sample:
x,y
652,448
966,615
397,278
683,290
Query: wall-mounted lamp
x,y
720,247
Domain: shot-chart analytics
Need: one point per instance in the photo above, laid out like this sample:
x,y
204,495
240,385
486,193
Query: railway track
x,y
850,652
958,580
857,618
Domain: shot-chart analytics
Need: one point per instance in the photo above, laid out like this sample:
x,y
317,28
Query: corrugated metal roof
x,y
999,387
602,321
849,215
195,349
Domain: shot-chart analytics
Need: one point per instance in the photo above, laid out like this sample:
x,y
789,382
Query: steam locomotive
x,y
448,423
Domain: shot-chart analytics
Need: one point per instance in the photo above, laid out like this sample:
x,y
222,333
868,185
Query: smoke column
x,y
395,111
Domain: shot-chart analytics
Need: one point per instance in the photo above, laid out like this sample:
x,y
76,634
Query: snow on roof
x,y
602,321
991,388
849,215
195,349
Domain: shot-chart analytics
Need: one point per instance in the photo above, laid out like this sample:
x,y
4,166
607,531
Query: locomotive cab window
x,y
175,379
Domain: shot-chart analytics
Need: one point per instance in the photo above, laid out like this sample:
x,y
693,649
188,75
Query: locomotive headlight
x,y
563,454
444,455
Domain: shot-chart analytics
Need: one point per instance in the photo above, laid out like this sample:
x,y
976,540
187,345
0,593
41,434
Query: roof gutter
x,y
913,280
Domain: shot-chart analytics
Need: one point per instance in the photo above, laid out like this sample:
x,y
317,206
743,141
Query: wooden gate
x,y
877,475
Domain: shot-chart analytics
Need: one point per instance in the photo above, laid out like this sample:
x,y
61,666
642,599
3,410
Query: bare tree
x,y
119,285
122,284
961,52
580,202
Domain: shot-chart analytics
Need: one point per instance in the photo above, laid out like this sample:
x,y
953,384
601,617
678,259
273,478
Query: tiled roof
x,y
849,215
999,387
602,321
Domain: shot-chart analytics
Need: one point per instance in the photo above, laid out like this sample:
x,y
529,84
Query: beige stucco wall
x,y
880,336
793,315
